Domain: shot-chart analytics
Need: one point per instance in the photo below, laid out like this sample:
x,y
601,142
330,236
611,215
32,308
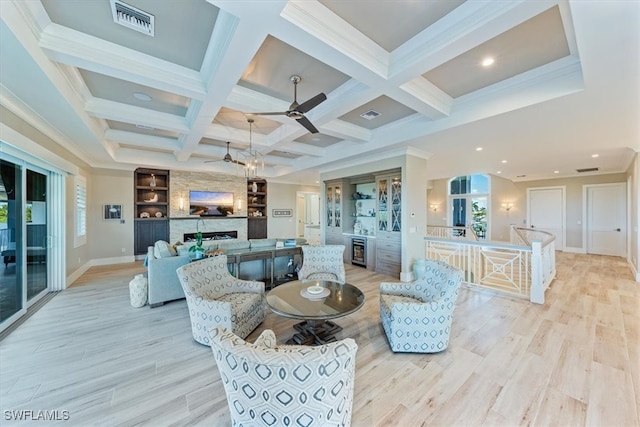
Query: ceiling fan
x,y
296,111
227,158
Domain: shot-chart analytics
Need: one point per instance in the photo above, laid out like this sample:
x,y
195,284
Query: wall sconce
x,y
181,204
434,207
507,206
239,205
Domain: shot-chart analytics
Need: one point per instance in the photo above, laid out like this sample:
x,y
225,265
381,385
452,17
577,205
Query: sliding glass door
x,y
35,214
12,302
24,241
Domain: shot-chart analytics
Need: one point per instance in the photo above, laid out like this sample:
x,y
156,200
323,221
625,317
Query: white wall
x,y
283,196
500,220
633,175
573,200
437,195
110,238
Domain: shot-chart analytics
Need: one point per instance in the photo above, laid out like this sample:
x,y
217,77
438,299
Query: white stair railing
x,y
524,268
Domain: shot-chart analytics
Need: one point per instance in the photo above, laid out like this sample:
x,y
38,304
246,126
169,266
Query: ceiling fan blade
x,y
213,161
238,162
313,102
272,113
307,124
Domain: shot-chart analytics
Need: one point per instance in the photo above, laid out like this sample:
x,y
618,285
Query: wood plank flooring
x,y
573,362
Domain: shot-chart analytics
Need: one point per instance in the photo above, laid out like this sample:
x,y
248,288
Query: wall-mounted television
x,y
210,203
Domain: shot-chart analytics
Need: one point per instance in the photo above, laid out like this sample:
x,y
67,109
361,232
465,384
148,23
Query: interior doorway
x,y
308,216
546,212
606,222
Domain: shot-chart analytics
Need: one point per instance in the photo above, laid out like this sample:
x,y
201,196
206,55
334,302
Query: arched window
x,y
469,202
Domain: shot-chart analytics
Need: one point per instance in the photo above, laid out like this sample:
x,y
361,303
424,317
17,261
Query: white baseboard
x,y
76,274
113,260
102,261
574,250
635,272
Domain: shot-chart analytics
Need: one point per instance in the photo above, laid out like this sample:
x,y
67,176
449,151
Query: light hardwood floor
x,y
573,362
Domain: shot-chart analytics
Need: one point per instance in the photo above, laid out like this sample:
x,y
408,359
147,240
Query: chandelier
x,y
252,160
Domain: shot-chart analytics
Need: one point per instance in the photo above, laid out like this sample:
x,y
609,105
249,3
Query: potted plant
x,y
198,249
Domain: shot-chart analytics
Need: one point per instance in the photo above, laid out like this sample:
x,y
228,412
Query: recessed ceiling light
x,y
504,161
478,148
595,155
556,171
499,172
141,96
488,61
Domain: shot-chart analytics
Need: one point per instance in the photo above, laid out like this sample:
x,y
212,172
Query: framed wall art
x,y
282,212
112,212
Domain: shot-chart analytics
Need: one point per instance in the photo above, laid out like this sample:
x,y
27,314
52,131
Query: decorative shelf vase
x,y
153,181
254,187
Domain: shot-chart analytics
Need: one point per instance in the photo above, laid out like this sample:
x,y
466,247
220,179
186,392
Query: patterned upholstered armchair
x,y
215,297
267,385
323,263
416,316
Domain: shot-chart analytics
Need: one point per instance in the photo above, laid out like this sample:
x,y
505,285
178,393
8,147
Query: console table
x,y
238,256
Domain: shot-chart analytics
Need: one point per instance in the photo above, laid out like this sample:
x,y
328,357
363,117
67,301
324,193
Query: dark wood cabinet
x,y
147,233
257,208
257,228
151,207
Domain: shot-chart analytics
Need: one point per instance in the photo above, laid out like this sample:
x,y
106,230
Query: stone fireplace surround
x,y
180,227
181,223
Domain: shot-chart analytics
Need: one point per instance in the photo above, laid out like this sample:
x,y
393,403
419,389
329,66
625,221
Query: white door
x,y
606,219
301,214
546,212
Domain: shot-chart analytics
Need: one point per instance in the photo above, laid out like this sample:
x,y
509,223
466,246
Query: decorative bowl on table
x,y
315,289
315,292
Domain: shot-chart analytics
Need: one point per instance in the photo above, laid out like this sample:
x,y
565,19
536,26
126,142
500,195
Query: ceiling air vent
x,y
587,170
371,114
132,17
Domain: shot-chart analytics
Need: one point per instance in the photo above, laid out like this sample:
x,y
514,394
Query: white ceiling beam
x,y
302,149
320,22
141,140
235,42
91,53
125,113
345,130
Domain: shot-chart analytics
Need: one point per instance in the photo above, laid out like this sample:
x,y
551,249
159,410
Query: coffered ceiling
x,y
563,86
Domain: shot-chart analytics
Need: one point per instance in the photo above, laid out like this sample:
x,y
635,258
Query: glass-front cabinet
x,y
389,224
333,234
389,216
364,209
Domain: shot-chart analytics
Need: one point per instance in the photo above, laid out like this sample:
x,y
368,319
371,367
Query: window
x,y
469,184
80,237
468,202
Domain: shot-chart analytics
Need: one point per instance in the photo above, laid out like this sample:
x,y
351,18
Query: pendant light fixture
x,y
253,160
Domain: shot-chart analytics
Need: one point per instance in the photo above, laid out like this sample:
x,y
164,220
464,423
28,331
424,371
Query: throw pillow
x,y
163,249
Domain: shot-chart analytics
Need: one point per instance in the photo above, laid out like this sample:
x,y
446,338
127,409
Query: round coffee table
x,y
292,300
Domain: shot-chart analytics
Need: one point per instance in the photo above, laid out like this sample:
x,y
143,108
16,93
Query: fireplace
x,y
211,235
